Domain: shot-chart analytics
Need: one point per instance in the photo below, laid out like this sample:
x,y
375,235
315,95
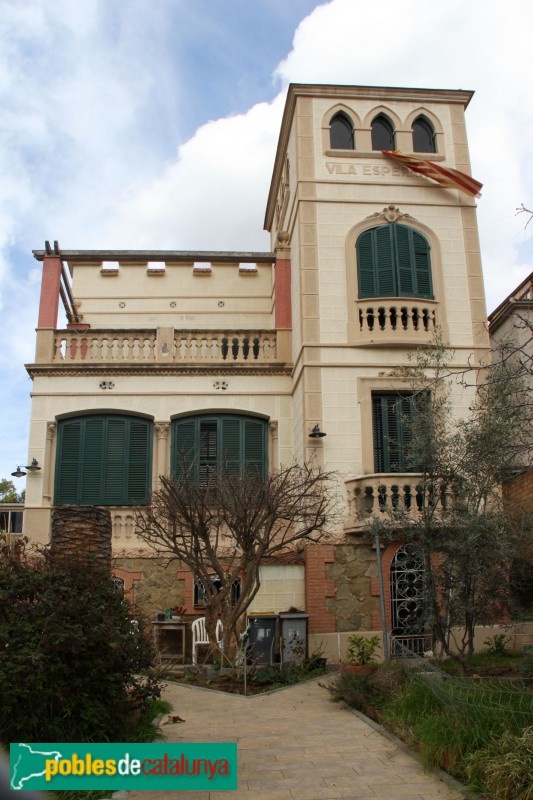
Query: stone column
x,y
161,461
49,462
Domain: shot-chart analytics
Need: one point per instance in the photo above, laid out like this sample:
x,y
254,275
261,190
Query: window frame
x,y
78,468
386,123
234,458
424,123
387,459
341,117
385,268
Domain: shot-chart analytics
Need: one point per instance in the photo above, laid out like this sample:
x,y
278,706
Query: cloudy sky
x,y
122,125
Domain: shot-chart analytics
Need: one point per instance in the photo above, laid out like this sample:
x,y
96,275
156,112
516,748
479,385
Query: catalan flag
x,y
449,178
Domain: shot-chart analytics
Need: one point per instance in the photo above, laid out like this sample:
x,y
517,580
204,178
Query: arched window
x,y
341,133
393,261
423,136
103,460
210,443
382,133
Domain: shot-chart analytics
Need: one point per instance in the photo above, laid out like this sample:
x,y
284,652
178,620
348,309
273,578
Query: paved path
x,y
296,744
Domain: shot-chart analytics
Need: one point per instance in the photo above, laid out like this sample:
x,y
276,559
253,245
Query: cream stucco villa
x,y
367,259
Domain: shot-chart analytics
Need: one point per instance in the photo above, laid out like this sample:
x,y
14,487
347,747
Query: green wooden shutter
x,y
391,425
404,260
365,265
422,261
68,462
91,460
208,449
231,453
185,449
254,446
386,278
139,458
115,462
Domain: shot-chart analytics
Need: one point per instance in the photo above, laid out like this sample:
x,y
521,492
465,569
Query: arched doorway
x,y
407,599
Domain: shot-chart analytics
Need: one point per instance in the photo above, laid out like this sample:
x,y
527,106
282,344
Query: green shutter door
x,y
231,453
139,472
115,461
404,260
365,265
254,446
422,265
185,449
68,465
208,450
384,250
91,462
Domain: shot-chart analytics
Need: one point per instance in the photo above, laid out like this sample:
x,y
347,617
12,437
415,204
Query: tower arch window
x,y
103,460
341,133
206,444
393,260
382,133
423,136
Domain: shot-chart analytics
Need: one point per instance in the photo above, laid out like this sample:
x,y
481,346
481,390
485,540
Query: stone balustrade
x,y
385,493
188,347
396,321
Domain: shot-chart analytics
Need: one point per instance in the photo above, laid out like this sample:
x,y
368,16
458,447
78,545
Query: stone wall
x,y
352,570
150,583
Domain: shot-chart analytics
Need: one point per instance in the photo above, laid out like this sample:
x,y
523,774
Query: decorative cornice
x,y
85,370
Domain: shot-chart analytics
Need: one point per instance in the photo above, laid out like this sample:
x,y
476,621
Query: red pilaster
x,y
282,288
51,281
318,588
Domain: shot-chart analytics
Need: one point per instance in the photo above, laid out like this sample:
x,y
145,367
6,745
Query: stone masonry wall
x,y
150,583
352,570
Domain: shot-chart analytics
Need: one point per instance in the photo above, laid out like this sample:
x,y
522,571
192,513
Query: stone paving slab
x,y
297,745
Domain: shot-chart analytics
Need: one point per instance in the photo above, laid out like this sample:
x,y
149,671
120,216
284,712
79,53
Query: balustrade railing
x,y
192,347
390,320
400,493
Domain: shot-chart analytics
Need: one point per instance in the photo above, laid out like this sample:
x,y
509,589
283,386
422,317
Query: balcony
x,y
396,321
383,493
163,346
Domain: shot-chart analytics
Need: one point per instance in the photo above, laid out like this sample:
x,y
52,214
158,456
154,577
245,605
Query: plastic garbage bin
x,y
263,647
294,640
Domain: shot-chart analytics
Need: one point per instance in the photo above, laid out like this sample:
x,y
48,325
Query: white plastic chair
x,y
200,637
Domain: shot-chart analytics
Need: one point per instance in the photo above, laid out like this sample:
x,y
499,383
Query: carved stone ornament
x,y
283,238
161,429
390,214
50,430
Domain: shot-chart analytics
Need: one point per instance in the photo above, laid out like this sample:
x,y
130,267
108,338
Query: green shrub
x,y
70,652
361,650
504,769
497,645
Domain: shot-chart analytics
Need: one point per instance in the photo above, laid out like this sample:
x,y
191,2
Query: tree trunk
x,y
82,532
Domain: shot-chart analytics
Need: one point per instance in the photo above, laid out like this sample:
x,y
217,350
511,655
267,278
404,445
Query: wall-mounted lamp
x,y
316,433
33,467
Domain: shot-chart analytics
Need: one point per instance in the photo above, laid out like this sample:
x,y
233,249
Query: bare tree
x,y
225,528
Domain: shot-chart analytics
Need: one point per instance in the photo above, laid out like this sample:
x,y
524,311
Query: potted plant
x,y
177,613
361,652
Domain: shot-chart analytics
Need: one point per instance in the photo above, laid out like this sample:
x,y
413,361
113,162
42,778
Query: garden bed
x,y
258,680
479,728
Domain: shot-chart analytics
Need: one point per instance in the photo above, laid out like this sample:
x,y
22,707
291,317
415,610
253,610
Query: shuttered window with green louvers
x,y
394,261
103,460
392,415
208,443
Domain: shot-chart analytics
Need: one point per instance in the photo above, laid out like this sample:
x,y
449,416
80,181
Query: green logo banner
x,y
208,766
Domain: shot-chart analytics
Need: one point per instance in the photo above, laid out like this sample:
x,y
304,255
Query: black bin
x,y
294,638
263,644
